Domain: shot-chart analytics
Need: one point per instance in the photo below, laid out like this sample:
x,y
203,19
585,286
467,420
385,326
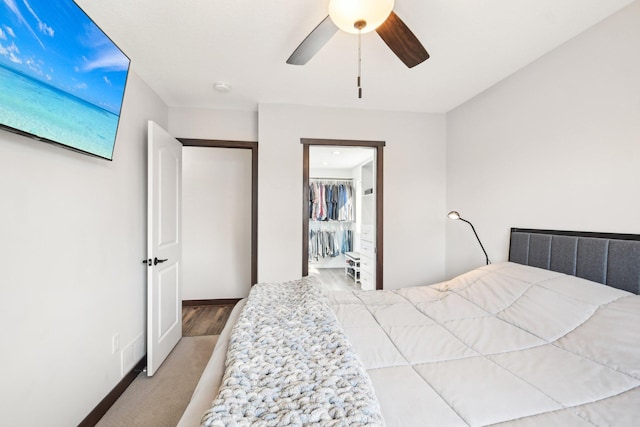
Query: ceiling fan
x,y
359,17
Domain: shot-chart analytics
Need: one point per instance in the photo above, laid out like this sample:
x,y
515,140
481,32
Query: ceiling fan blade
x,y
313,42
402,41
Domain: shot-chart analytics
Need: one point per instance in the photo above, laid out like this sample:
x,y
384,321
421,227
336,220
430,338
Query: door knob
x,y
157,261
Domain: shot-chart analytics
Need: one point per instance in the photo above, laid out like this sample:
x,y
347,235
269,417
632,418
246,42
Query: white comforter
x,y
502,344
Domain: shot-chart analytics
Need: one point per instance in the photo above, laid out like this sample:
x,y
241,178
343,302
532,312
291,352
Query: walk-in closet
x,y
341,251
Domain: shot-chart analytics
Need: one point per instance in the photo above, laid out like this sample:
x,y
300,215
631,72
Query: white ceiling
x,y
327,157
182,47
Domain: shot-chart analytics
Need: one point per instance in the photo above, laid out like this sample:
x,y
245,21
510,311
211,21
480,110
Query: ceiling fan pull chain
x,y
360,63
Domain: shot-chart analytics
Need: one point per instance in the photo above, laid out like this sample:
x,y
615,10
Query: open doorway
x,y
220,220
342,213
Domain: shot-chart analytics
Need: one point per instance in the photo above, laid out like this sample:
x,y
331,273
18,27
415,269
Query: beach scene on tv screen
x,y
61,78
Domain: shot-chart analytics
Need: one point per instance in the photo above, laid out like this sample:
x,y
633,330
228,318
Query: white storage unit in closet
x,y
352,266
368,229
367,258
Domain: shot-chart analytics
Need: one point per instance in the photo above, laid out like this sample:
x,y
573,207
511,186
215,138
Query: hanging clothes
x,y
329,243
331,212
331,200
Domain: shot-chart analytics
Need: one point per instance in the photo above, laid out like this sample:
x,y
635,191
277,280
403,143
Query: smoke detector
x,y
222,87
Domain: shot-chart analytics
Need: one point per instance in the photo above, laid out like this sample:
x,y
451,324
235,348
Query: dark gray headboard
x,y
612,259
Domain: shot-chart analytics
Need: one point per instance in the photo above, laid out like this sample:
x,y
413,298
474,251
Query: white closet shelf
x,y
352,265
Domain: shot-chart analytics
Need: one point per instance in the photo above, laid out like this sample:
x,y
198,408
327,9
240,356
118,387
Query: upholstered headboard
x,y
612,259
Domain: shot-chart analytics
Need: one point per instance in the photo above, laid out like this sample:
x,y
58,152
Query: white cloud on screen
x,y
44,28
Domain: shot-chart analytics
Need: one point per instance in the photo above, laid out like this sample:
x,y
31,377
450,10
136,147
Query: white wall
x,y
329,173
203,123
414,187
72,233
216,223
554,146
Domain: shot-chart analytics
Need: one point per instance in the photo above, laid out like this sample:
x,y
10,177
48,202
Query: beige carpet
x,y
160,400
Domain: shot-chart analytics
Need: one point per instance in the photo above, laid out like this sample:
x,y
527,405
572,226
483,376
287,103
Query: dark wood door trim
x,y
247,145
379,147
305,210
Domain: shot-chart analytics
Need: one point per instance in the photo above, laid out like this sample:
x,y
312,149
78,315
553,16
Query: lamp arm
x,y
474,232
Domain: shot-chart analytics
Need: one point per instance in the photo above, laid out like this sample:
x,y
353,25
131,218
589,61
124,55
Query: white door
x,y
164,241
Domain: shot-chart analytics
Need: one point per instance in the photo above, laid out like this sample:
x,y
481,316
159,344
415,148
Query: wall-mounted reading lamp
x,y
456,215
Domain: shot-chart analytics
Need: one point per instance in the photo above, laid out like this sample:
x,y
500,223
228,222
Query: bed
x,y
548,338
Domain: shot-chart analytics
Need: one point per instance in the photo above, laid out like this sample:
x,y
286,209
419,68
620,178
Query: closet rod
x,y
330,179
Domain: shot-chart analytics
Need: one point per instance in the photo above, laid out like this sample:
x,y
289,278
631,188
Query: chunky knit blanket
x,y
290,364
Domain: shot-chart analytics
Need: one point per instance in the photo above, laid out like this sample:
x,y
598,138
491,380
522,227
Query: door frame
x,y
246,145
379,147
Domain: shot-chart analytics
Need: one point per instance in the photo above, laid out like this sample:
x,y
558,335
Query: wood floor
x,y
201,320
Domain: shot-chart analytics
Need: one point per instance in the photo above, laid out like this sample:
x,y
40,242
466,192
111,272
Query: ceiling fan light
x,y
345,13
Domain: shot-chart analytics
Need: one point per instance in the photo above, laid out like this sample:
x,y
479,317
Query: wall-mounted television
x,y
62,80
